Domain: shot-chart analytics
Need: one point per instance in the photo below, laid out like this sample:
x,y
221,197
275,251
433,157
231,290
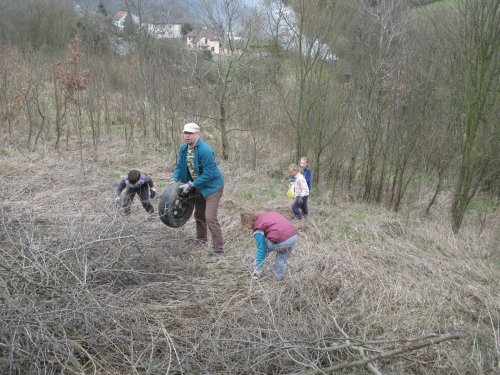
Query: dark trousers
x,y
300,209
205,214
143,193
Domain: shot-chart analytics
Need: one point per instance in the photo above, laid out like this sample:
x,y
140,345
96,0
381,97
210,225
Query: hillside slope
x,y
84,288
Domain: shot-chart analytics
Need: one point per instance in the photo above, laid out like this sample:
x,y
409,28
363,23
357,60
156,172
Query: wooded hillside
x,y
397,106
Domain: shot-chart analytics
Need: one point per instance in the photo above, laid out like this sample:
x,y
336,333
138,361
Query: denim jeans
x,y
300,209
283,252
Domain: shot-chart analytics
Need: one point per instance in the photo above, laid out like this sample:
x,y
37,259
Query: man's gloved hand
x,y
152,192
186,188
300,200
116,201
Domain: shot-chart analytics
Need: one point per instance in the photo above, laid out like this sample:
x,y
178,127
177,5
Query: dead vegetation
x,y
84,289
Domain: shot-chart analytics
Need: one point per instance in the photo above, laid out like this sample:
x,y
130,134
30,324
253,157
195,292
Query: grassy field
x,y
85,289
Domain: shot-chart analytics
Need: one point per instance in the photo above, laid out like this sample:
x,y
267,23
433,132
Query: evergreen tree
x,y
186,28
102,9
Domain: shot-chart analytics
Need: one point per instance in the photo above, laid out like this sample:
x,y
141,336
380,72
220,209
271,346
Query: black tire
x,y
174,208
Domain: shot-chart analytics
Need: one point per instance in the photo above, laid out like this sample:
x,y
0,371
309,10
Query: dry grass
x,y
87,290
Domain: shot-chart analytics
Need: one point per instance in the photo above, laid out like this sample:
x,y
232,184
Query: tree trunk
x,y
223,131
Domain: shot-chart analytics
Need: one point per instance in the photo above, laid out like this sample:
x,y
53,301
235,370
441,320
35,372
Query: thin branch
x,y
390,353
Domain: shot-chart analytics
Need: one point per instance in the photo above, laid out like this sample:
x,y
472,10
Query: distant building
x,y
120,17
203,39
156,30
161,30
236,45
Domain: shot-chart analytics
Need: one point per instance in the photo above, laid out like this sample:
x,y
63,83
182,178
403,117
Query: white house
x,y
161,30
156,30
120,17
204,39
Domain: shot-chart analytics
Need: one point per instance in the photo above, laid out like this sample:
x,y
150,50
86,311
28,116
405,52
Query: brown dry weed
x,y
85,289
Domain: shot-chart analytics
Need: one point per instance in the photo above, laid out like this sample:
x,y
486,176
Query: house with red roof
x,y
120,17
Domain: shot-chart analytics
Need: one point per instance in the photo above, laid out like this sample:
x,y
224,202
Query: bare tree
x,y
7,77
300,35
381,28
29,97
94,104
36,24
60,101
438,146
479,49
222,77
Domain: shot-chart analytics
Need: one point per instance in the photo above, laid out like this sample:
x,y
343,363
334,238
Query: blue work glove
x,y
300,200
116,201
186,188
152,192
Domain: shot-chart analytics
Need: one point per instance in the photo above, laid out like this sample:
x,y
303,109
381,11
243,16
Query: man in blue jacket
x,y
197,169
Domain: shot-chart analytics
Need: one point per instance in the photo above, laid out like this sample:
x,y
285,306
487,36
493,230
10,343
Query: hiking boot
x,y
217,253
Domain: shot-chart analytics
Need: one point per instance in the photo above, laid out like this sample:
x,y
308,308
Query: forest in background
x,y
396,104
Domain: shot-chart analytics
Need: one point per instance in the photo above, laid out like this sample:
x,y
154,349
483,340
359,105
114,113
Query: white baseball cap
x,y
191,128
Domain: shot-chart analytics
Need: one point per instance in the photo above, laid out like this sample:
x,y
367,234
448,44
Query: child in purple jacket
x,y
272,232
